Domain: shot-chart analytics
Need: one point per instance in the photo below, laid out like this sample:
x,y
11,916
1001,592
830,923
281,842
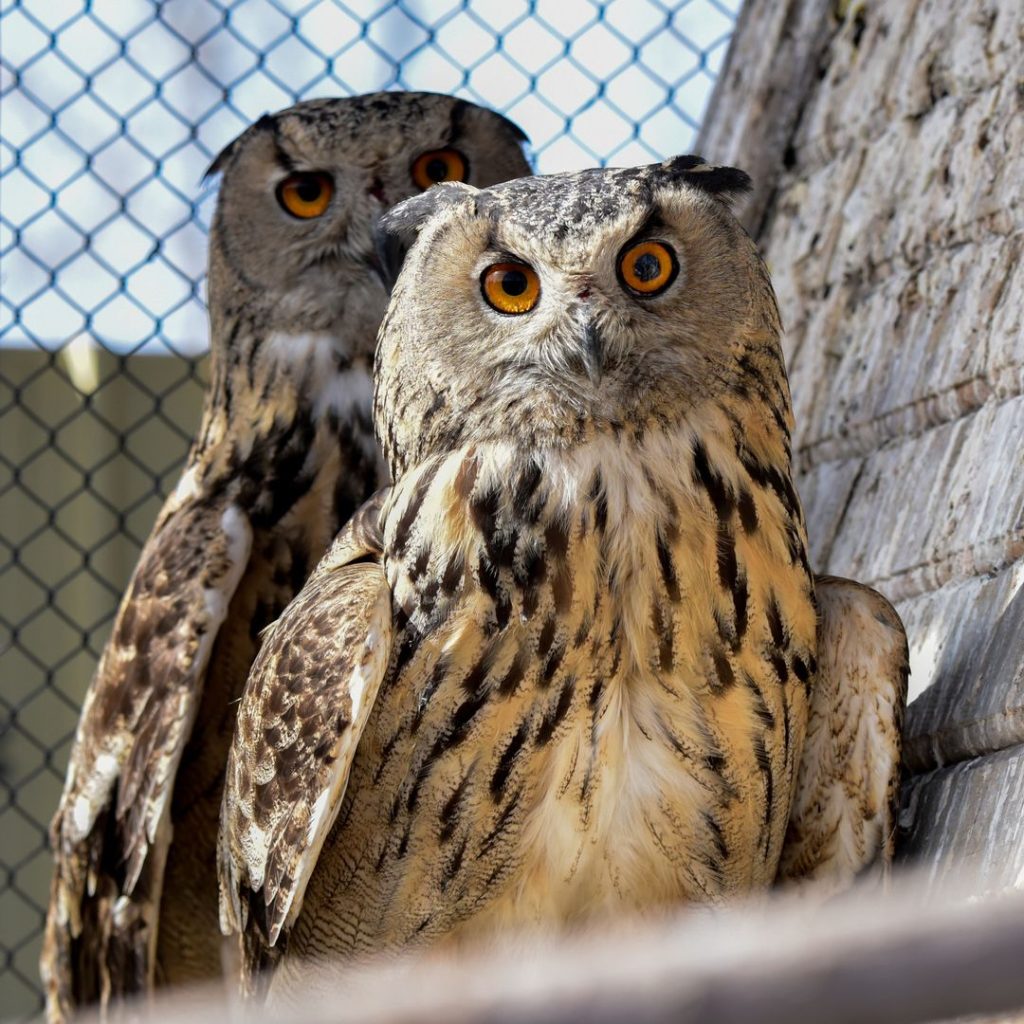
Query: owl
x,y
285,453
570,665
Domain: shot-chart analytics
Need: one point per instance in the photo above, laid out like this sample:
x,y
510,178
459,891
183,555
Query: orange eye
x,y
510,287
648,268
305,194
439,165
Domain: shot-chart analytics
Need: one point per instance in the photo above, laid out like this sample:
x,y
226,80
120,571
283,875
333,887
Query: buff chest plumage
x,y
565,666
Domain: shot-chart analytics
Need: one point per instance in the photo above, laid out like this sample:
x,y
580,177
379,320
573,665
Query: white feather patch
x,y
188,486
120,911
316,815
82,815
255,848
314,356
238,537
345,393
96,791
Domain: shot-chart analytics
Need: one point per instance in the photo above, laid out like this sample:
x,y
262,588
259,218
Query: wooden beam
x,y
903,957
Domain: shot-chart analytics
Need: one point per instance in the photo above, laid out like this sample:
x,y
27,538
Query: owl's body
x,y
594,716
284,454
562,669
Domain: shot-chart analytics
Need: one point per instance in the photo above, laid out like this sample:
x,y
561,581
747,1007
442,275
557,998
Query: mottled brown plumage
x,y
843,822
603,630
284,454
344,612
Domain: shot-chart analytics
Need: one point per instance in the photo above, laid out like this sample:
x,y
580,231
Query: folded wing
x,y
843,821
305,706
111,831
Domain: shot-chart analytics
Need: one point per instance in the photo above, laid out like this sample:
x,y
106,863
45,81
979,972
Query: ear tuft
x,y
266,123
396,230
411,214
725,183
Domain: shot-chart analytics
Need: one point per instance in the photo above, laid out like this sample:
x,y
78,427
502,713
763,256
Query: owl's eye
x,y
510,287
305,194
439,165
648,268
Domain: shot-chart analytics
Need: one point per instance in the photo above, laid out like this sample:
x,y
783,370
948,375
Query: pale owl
x,y
284,454
564,667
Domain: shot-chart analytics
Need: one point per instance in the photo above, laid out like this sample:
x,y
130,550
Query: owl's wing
x,y
111,830
309,694
843,821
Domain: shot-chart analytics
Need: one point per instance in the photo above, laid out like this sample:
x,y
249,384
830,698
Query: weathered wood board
x,y
887,144
902,957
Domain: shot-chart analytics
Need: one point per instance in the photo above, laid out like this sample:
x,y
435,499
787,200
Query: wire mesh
x,y
111,111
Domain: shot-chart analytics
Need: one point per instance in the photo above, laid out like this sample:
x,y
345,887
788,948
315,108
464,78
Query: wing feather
x,y
110,833
305,706
843,821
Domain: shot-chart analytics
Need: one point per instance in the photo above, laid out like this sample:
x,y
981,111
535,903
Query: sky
x,y
111,110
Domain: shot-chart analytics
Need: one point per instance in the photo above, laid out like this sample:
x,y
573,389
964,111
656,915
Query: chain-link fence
x,y
111,110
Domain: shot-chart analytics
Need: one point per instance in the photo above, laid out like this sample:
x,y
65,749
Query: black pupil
x,y
647,267
513,282
309,189
437,169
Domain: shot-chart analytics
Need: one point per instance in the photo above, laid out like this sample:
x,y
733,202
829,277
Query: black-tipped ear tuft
x,y
217,165
396,230
220,161
411,214
725,183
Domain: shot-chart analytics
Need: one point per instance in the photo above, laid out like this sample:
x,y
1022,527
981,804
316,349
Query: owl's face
x,y
572,302
303,189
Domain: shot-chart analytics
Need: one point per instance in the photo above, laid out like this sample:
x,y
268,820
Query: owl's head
x,y
302,191
548,308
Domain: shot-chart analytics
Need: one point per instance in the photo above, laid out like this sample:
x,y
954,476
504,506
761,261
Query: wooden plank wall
x,y
887,143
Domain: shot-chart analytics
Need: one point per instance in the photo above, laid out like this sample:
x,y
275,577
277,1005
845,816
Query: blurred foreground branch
x,y
893,958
